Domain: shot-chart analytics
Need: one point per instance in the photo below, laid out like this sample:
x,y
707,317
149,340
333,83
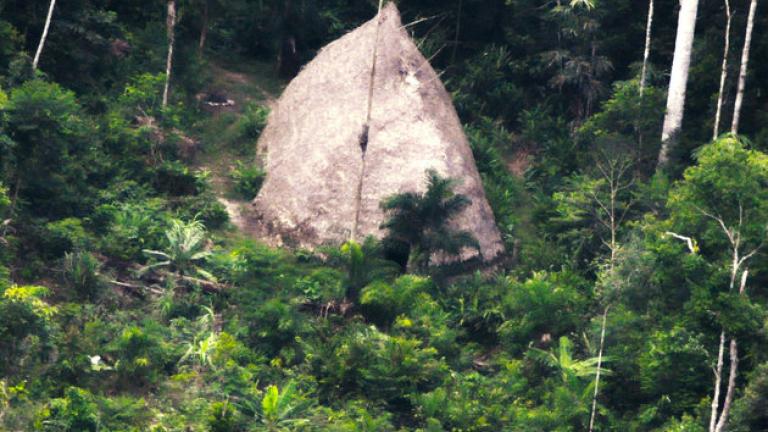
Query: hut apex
x,y
362,121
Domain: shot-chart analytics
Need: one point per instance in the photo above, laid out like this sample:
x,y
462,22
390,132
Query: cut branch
x,y
689,241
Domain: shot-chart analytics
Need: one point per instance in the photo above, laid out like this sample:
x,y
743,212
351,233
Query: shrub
x,y
204,207
470,401
484,86
383,302
25,324
142,354
252,122
364,361
749,411
75,412
65,235
223,417
143,95
274,325
323,284
54,151
248,179
476,303
135,226
176,179
674,365
547,304
81,273
263,269
5,202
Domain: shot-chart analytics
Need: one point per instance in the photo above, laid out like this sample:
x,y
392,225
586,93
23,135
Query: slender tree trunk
x,y
743,69
673,119
44,35
457,31
647,51
597,374
723,70
170,26
203,28
718,381
734,357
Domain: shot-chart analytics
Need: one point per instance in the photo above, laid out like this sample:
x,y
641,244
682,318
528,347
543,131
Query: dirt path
x,y
244,87
244,83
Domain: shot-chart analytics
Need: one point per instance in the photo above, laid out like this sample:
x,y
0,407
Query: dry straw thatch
x,y
321,187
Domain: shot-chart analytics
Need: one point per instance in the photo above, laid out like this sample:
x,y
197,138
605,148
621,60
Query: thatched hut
x,y
345,135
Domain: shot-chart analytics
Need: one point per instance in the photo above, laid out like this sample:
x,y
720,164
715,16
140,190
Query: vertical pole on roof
x,y
366,125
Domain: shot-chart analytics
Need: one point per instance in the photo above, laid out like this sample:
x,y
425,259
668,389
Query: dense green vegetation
x,y
129,301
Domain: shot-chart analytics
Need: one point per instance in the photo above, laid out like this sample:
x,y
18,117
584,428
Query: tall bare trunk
x,y
673,119
170,24
44,35
203,27
647,52
743,69
734,357
723,70
457,32
597,374
718,381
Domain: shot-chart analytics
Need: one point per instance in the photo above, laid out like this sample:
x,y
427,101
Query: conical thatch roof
x,y
312,151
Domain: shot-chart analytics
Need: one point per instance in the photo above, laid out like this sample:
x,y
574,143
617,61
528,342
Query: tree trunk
x,y
734,357
204,27
457,32
718,381
597,374
44,35
647,52
743,69
170,24
723,70
673,119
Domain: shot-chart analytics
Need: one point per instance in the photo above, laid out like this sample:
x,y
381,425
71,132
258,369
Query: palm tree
x,y
571,370
578,67
364,264
421,222
186,248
